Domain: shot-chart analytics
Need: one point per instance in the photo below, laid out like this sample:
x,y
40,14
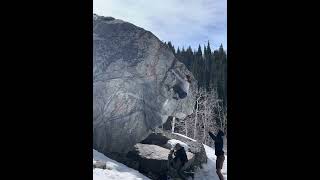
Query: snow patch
x,y
184,136
114,170
209,169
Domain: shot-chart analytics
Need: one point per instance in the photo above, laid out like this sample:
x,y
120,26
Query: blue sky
x,y
183,22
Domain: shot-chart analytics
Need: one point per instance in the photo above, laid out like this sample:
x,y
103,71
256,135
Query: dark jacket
x,y
181,154
218,143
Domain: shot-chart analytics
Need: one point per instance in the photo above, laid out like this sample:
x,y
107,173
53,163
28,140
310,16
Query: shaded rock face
x,y
132,85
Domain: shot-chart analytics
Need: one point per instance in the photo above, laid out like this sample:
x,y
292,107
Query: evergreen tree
x,y
221,49
199,53
205,51
171,47
189,58
208,62
209,68
208,50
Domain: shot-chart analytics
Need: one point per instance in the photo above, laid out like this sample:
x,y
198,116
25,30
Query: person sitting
x,y
179,160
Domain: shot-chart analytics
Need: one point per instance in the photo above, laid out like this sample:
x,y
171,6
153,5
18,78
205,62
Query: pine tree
x,y
189,58
171,47
221,48
209,68
199,53
208,50
205,51
200,64
174,51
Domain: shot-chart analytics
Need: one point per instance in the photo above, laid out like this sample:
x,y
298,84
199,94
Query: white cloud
x,y
184,22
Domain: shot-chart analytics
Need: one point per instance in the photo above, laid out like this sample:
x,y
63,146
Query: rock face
x,y
132,85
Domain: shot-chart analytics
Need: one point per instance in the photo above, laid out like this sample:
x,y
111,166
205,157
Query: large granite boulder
x,y
150,157
152,160
160,137
132,85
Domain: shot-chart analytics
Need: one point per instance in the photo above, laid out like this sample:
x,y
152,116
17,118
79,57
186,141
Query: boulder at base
x,y
194,147
152,159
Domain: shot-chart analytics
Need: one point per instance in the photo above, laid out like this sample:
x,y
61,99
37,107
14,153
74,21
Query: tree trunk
x,y
205,120
172,124
195,121
186,126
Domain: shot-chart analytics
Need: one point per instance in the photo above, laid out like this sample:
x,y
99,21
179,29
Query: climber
x,y
179,160
218,143
181,88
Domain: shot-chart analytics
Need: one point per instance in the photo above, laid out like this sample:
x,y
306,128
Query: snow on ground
x,y
117,171
114,170
184,136
209,169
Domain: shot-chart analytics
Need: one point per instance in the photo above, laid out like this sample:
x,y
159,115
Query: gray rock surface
x,y
194,147
132,85
100,165
152,160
